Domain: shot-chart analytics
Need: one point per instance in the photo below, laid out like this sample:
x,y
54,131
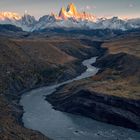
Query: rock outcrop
x,y
106,108
72,12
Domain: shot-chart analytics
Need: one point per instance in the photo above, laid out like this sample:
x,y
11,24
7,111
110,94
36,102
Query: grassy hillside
x,y
26,63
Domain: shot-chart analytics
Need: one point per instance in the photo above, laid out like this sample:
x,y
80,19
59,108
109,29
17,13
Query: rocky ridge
x,y
68,18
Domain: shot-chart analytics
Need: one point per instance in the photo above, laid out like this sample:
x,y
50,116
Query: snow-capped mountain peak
x,y
28,20
68,17
9,15
72,9
72,12
63,13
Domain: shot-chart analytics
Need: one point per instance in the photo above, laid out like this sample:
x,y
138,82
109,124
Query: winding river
x,y
39,115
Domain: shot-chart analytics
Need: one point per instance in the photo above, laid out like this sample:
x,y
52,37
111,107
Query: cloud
x,y
131,5
88,7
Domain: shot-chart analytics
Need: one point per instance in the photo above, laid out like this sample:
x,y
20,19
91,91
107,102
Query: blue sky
x,y
122,8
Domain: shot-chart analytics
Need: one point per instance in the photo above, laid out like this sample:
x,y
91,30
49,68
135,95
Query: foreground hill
x,y
26,63
113,95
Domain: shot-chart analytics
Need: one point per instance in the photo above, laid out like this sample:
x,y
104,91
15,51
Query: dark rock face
x,y
125,63
9,27
110,109
98,33
97,46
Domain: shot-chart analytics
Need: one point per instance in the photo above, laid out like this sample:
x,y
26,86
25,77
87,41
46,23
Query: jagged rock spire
x,y
62,13
72,12
72,9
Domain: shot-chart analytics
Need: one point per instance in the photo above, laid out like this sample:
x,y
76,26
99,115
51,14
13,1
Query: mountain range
x,y
68,18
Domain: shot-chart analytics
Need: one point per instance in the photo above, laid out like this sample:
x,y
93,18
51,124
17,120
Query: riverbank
x,y
62,126
24,66
112,95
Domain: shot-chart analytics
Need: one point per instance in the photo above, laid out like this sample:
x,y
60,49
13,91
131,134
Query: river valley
x,y
39,115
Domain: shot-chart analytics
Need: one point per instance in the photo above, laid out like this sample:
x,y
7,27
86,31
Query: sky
x,y
101,8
